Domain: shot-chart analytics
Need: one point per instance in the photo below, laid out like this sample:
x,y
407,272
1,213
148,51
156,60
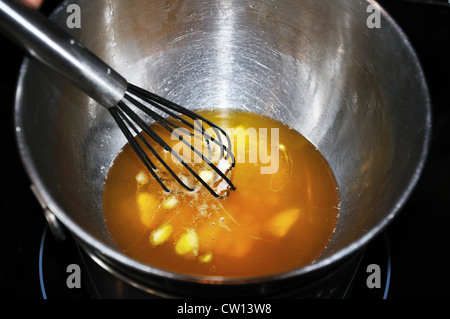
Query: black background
x,y
418,238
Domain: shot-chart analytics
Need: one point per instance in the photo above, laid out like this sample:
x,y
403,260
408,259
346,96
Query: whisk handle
x,y
46,41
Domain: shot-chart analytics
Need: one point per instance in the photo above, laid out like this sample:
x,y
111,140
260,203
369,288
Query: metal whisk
x,y
51,45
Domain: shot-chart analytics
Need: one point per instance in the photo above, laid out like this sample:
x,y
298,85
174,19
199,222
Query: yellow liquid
x,y
272,222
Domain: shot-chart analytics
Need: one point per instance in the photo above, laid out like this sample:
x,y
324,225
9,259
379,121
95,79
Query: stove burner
x,y
55,257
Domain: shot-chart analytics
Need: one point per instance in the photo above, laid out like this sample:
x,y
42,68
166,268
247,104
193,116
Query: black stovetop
x,y
413,252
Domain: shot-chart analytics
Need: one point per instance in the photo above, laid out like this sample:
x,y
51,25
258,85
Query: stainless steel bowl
x,y
357,93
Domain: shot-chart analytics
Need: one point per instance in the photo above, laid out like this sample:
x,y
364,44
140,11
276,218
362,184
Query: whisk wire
x,y
124,109
166,105
119,119
127,119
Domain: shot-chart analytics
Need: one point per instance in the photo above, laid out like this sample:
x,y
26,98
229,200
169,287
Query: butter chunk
x,y
206,175
161,235
147,205
170,202
188,244
280,224
141,178
206,258
241,247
